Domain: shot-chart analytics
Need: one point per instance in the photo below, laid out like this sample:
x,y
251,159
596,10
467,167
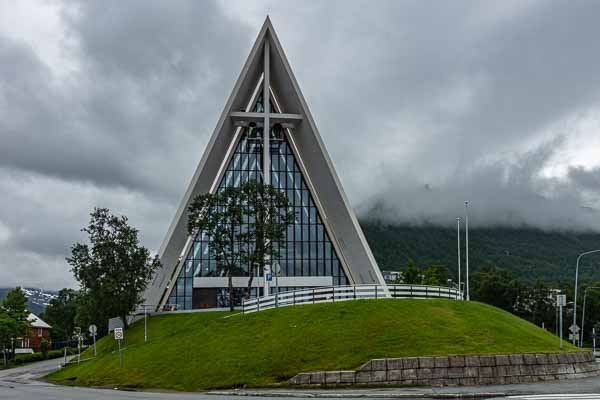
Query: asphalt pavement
x,y
23,384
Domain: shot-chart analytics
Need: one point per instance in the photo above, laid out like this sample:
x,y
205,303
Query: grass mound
x,y
205,350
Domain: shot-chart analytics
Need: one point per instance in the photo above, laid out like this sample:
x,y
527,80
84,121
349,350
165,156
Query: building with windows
x,y
37,331
266,133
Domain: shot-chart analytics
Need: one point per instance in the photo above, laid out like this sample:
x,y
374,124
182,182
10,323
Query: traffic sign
x,y
574,328
269,277
118,338
561,300
571,337
93,329
118,333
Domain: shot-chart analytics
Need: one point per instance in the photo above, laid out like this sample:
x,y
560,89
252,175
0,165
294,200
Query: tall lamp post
x,y
583,312
467,247
458,249
575,296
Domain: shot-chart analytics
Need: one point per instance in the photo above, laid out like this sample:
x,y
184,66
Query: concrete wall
x,y
460,370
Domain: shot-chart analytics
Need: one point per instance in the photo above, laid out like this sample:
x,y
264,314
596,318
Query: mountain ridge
x,y
531,254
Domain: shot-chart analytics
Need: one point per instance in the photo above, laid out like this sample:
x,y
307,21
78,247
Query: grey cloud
x,y
148,76
585,178
502,193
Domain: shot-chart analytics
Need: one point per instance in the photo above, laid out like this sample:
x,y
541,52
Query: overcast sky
x,y
421,104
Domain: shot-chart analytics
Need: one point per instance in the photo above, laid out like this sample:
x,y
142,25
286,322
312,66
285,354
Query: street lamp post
x,y
575,296
583,312
458,249
467,247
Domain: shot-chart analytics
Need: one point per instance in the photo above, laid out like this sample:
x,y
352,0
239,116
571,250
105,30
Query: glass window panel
x,y
319,228
313,232
305,249
297,268
297,181
313,215
305,268
305,232
313,249
327,250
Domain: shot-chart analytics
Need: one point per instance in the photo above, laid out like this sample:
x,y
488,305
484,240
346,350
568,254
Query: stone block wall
x,y
460,370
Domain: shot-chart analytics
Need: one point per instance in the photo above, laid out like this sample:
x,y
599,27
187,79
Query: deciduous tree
x,y
113,269
15,308
220,216
268,208
245,225
61,313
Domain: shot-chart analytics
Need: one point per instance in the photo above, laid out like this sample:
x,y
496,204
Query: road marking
x,y
557,396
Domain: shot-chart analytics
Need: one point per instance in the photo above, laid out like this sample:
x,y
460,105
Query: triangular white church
x,y
325,246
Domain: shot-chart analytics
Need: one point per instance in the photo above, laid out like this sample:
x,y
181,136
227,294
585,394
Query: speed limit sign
x,y
118,333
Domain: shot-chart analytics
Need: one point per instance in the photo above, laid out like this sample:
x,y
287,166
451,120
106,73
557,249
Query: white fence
x,y
331,294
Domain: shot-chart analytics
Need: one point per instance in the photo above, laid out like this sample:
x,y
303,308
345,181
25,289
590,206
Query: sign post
x,y
118,338
561,300
268,278
574,335
93,329
145,325
77,336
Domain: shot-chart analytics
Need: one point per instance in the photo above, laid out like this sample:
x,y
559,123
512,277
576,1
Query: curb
x,y
370,395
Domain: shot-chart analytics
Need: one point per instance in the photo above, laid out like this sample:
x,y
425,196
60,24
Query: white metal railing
x,y
332,294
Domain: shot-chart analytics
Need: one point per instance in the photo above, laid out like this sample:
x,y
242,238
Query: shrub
x,y
27,358
44,348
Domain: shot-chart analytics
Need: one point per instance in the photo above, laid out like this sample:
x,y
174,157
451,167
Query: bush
x,y
27,358
44,348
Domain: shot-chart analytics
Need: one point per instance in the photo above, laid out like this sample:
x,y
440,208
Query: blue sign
x,y
269,277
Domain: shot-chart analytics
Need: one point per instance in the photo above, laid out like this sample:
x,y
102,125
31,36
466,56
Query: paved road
x,y
21,384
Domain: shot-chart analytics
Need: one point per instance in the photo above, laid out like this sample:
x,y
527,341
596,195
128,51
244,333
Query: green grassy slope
x,y
530,253
204,350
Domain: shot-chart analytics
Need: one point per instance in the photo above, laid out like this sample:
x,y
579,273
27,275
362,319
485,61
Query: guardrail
x,y
332,294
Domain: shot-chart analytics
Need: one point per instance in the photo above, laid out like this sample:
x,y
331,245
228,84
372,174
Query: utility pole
x,y
458,250
467,247
561,299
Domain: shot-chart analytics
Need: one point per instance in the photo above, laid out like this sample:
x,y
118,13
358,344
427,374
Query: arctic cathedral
x,y
267,134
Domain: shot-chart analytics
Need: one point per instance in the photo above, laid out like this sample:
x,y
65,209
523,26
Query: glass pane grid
x,y
307,250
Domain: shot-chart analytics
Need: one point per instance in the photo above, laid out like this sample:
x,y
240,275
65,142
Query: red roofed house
x,y
38,331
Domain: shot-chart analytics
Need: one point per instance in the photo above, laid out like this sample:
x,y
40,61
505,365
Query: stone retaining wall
x,y
460,370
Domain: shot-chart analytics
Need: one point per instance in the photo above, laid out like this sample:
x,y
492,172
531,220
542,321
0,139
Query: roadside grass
x,y
200,351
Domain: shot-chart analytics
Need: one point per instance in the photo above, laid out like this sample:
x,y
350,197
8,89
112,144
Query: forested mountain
x,y
531,254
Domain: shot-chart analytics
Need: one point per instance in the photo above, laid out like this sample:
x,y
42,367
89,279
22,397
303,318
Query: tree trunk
x,y
231,292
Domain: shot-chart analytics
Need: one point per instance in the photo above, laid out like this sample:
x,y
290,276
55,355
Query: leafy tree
x,y
232,241
8,327
113,270
15,307
536,303
411,274
61,314
435,276
268,208
497,287
221,215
